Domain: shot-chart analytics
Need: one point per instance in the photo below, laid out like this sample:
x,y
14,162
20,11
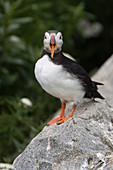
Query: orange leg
x,y
60,117
71,114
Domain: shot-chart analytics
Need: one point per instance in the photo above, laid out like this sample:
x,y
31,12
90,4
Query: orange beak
x,y
52,45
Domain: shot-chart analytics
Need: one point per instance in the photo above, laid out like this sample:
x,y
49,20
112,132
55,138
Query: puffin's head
x,y
53,42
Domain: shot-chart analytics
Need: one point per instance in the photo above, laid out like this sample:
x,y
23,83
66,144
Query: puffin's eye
x,y
60,37
45,37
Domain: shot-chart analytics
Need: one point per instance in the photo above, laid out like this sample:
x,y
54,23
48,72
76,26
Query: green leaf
x,y
23,20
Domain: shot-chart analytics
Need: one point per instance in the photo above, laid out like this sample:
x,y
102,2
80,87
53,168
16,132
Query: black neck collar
x,y
56,55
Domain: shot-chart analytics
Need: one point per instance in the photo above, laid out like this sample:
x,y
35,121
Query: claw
x,y
60,122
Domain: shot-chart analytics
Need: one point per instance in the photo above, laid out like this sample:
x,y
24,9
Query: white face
x,y
53,40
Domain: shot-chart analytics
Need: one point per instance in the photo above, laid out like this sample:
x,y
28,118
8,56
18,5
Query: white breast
x,y
57,81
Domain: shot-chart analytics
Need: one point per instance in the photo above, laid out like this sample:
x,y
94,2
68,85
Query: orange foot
x,y
66,118
62,120
54,121
60,117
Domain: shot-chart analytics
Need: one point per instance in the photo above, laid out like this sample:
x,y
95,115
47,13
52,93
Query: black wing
x,y
90,86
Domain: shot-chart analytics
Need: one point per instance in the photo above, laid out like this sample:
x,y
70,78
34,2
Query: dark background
x,y
87,28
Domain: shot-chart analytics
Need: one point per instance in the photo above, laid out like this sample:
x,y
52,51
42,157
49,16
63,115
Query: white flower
x,y
26,101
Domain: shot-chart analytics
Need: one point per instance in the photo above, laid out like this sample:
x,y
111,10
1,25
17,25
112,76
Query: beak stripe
x,y
52,39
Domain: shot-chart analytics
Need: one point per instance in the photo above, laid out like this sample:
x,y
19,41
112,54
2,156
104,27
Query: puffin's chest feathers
x,y
56,80
47,72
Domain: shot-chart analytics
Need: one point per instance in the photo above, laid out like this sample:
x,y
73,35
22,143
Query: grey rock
x,y
84,142
105,75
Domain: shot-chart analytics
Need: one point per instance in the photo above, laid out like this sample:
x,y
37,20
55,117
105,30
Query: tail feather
x,y
97,83
92,91
96,94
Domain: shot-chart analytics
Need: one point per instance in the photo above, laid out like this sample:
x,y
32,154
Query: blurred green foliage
x,y
22,27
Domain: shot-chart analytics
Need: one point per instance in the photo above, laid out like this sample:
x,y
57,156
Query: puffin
x,y
63,77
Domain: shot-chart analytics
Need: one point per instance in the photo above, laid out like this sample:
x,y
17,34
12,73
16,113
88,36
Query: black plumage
x,y
77,71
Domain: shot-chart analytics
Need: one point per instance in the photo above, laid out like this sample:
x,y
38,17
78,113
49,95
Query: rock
x,y
105,75
83,142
